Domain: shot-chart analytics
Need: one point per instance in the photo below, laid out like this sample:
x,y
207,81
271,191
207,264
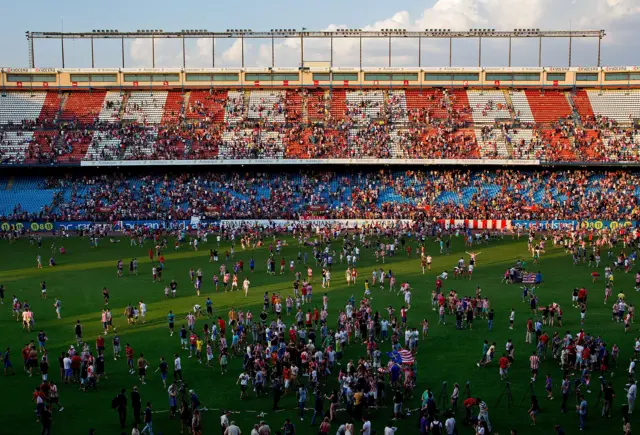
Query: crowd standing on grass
x,y
295,345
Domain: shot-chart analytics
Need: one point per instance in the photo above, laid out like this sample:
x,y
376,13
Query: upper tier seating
x,y
488,105
111,106
16,107
67,127
145,107
620,105
84,107
267,105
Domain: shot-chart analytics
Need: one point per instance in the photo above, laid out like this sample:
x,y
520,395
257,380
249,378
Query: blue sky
x,y
619,17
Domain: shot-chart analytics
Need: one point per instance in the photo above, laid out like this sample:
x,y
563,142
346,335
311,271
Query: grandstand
x,y
534,122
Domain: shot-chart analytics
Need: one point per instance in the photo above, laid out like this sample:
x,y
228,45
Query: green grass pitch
x,y
447,355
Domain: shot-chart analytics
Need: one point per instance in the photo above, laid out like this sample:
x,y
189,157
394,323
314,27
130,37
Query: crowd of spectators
x,y
451,194
220,124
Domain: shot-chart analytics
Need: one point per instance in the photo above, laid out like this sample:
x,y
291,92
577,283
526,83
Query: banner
x,y
573,224
545,225
172,224
494,224
612,225
117,226
353,223
265,161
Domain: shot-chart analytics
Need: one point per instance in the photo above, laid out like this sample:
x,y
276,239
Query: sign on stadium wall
x,y
573,224
83,225
489,224
478,162
264,223
353,223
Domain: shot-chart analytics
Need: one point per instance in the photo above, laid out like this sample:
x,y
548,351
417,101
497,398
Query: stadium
x,y
451,220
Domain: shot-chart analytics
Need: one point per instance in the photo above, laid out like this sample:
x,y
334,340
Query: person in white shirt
x,y
232,429
389,429
224,420
366,426
631,395
450,425
177,367
143,311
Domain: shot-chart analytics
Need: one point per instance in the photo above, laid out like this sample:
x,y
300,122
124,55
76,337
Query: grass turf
x,y
447,355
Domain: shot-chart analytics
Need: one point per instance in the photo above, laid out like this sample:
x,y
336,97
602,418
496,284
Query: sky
x,y
619,18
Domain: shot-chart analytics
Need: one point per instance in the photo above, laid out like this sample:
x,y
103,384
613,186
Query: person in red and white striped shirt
x,y
534,362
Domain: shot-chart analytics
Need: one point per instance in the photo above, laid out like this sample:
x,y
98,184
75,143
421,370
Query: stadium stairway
x,y
314,105
50,108
507,98
338,104
10,181
459,101
173,107
294,106
574,110
583,104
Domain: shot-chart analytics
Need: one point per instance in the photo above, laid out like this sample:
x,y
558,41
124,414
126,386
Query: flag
x,y
401,356
529,278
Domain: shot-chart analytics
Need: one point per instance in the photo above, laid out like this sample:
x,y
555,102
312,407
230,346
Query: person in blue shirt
x,y
195,402
252,264
6,358
582,411
395,373
302,399
171,318
209,305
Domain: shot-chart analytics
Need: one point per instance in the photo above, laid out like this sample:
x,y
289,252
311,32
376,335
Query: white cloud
x,y
618,17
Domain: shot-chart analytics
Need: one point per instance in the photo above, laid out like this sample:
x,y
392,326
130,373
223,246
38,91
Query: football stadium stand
x,y
412,194
406,124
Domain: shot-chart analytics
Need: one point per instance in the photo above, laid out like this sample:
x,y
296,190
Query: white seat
x,y
145,107
488,105
111,106
16,107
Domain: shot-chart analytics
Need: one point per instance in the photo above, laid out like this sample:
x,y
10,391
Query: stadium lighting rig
x,y
305,34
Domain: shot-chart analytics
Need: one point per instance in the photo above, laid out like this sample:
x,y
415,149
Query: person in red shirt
x,y
222,325
39,398
438,285
468,406
504,366
529,334
76,363
100,343
129,353
292,334
582,295
151,254
25,356
544,339
316,316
